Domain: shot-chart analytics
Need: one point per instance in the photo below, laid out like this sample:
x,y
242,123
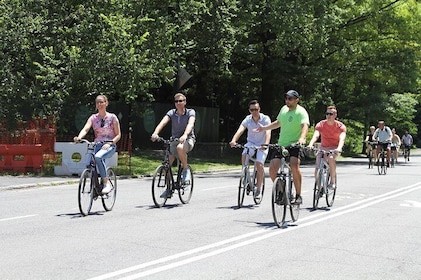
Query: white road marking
x,y
16,218
262,234
411,203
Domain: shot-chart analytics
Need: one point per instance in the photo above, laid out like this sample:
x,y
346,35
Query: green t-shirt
x,y
291,122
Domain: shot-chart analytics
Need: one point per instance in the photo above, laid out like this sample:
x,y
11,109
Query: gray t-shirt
x,y
255,138
383,135
179,122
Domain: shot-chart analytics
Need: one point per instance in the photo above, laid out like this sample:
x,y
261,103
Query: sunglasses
x,y
329,114
102,122
253,110
179,101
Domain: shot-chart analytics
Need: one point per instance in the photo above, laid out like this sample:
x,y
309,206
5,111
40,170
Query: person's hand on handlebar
x,y
154,137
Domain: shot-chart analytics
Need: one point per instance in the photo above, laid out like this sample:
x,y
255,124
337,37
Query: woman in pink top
x,y
333,135
106,127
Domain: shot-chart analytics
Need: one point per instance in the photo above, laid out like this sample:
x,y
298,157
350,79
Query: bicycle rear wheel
x,y
262,190
160,184
330,193
242,186
278,204
108,200
86,192
185,191
294,208
317,189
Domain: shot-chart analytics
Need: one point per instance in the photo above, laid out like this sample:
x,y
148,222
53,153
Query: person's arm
x,y
84,130
159,127
117,131
316,136
189,128
304,131
237,135
342,137
272,125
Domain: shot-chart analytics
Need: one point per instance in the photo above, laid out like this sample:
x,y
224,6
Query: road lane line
x,y
263,234
16,218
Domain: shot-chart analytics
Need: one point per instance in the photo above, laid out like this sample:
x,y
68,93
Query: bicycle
x,y
371,153
248,183
406,151
283,191
321,184
382,161
163,183
90,187
393,159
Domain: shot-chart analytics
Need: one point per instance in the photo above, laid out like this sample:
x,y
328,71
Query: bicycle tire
x,y
262,190
384,165
85,192
330,193
279,207
370,159
160,185
379,164
185,191
242,187
108,200
317,188
294,208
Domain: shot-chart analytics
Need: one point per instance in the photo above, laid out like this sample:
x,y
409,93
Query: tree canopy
x,y
361,55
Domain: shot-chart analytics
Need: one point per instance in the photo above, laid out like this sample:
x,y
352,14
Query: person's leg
x,y
294,163
332,167
100,157
260,163
274,166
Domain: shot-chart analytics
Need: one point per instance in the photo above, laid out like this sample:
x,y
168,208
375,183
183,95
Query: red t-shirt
x,y
330,133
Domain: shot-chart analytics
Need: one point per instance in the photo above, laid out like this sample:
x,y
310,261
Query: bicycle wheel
x,y
242,187
370,159
86,192
384,165
262,190
160,183
317,188
185,191
294,208
330,193
278,206
379,164
108,199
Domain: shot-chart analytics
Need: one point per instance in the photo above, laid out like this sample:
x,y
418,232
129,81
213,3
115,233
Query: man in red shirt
x,y
333,135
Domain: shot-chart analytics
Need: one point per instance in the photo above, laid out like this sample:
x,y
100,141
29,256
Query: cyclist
x,y
294,121
383,135
333,134
251,122
370,141
182,127
396,143
106,127
407,141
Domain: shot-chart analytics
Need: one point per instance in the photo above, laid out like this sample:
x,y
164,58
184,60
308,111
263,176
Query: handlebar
x,y
89,142
167,141
247,146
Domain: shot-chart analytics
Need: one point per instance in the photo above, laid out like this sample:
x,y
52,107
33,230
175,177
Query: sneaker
x,y
185,177
332,186
298,199
165,194
257,194
107,188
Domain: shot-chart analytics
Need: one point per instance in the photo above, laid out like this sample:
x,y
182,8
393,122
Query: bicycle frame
x,y
381,160
322,180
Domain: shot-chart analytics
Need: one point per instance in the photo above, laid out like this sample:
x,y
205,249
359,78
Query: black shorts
x,y
293,152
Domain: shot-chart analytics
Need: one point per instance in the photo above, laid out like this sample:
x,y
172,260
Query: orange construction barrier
x,y
21,158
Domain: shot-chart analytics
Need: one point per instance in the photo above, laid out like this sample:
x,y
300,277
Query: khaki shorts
x,y
188,145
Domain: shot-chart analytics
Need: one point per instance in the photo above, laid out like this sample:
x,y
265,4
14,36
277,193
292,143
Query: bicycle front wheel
x,y
185,192
317,189
294,208
108,200
331,193
379,164
242,186
278,204
262,190
160,186
86,192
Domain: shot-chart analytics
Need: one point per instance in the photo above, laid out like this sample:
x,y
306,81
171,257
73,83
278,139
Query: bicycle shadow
x,y
311,209
78,215
235,207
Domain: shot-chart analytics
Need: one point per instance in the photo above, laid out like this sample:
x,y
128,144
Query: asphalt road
x,y
371,232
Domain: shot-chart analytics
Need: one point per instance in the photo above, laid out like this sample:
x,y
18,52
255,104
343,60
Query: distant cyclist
x,y
383,135
407,141
369,140
396,143
333,135
250,123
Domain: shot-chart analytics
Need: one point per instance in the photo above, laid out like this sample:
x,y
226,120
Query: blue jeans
x,y
100,156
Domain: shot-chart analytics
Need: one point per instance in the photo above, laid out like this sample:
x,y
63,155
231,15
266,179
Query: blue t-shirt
x,y
179,122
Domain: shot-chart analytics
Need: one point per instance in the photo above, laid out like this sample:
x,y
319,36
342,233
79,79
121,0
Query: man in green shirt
x,y
294,121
